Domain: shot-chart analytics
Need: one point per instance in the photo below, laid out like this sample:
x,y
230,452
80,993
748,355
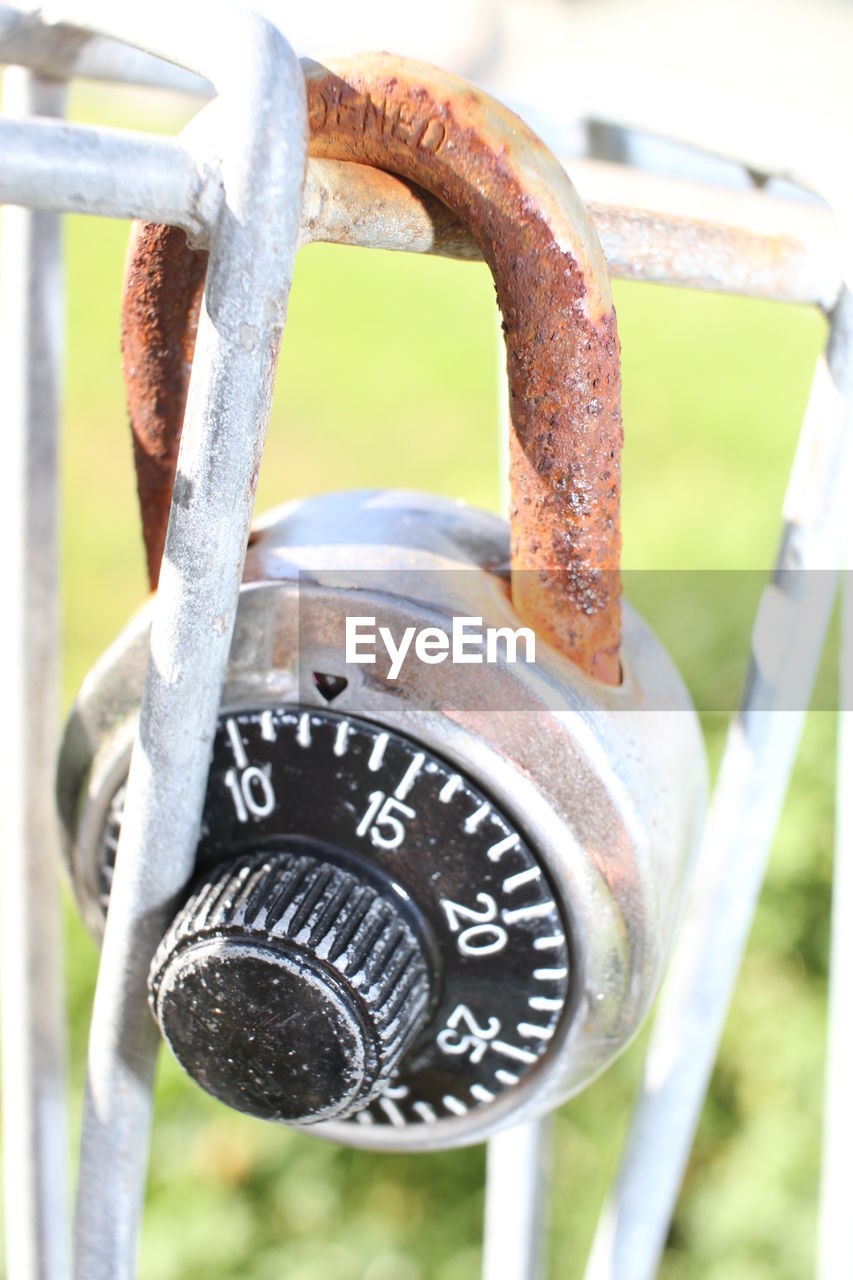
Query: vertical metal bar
x,y
35,1140
759,755
518,1175
518,1161
835,1222
262,119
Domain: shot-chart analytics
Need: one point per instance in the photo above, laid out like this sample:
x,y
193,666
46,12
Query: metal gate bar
x,y
835,1225
651,228
34,1084
75,169
761,745
518,1175
262,138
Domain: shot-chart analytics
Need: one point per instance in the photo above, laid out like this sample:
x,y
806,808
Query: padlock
x,y
432,898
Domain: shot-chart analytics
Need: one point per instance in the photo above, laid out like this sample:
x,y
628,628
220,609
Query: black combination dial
x,y
370,938
290,988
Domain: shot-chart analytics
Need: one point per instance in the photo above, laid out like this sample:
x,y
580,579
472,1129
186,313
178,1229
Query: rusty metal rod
x,y
554,295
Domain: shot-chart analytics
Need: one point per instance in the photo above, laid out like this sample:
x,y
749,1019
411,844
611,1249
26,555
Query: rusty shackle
x,y
553,291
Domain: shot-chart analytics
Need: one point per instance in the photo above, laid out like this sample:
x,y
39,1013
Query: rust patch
x,y
562,350
163,289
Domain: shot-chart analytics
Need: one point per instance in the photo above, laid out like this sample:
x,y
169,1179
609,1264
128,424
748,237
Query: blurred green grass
x,y
389,377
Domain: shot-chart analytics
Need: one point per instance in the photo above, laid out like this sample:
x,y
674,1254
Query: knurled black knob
x,y
290,988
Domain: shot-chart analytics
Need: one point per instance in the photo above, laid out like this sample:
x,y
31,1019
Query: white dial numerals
x,y
251,791
250,787
383,820
463,1034
480,938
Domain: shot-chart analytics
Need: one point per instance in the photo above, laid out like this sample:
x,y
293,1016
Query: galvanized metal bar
x,y
835,1223
759,755
651,229
34,1084
518,1160
672,231
656,228
262,144
356,204
74,168
115,173
518,1176
61,51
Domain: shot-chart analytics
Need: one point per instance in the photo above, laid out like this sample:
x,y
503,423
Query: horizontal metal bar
x,y
691,234
354,204
63,52
711,253
651,228
114,173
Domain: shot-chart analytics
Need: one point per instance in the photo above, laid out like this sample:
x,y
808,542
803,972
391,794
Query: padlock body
x,y
604,786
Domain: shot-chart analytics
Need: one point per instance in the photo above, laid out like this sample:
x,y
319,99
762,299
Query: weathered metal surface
x,y
675,231
345,203
553,291
261,151
62,167
651,227
158,340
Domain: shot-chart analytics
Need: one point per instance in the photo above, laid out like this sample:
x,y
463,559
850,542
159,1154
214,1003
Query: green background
x,y
388,377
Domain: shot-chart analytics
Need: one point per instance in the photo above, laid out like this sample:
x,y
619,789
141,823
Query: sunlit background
x,y
389,376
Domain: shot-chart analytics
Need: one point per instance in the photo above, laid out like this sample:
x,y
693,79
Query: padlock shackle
x,y
553,291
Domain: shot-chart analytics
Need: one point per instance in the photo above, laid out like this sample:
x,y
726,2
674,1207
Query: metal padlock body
x,y
606,783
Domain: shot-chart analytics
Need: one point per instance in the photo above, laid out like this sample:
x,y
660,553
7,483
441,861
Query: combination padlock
x,y
439,869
